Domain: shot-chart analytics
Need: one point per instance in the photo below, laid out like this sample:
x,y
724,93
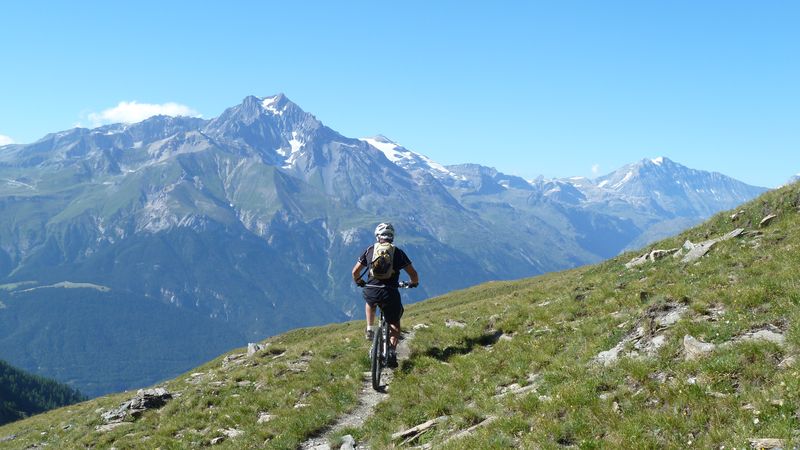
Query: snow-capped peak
x,y
658,161
272,104
405,158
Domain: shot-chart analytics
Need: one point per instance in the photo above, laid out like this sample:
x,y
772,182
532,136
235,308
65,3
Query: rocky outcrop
x,y
652,256
694,348
648,336
697,251
145,399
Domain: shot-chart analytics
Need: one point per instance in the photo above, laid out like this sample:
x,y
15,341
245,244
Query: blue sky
x,y
552,88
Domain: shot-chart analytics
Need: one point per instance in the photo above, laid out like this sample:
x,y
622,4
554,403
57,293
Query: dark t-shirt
x,y
399,262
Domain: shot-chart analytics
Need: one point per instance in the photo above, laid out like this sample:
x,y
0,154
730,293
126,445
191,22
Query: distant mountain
x,y
23,394
794,179
129,253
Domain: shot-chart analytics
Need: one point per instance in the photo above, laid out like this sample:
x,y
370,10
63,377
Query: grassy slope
x,y
559,322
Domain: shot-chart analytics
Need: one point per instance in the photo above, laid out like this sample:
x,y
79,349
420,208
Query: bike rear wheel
x,y
376,358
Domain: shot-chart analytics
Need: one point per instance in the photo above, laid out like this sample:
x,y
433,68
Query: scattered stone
x,y
470,430
244,383
646,340
301,364
652,256
10,437
697,251
411,433
300,405
231,432
217,440
766,220
348,443
110,426
543,304
253,348
534,380
764,334
420,326
145,399
788,362
449,323
694,348
506,337
264,417
736,215
767,443
234,359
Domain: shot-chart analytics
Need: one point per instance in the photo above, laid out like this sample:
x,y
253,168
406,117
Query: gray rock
x,y
697,251
348,443
449,323
145,399
232,432
252,348
766,220
10,437
695,348
788,362
764,334
652,256
767,443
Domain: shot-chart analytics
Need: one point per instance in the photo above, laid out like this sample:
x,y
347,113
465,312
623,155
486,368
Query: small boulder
x,y
695,348
767,443
450,323
766,220
348,443
252,348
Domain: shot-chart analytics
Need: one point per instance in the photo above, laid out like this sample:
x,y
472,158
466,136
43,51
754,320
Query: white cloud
x,y
132,112
5,140
595,169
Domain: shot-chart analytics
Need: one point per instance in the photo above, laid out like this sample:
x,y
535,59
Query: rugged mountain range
x,y
129,253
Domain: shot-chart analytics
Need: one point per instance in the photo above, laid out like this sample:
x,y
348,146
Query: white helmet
x,y
384,231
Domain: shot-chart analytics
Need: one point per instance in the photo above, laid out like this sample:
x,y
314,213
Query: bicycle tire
x,y
376,360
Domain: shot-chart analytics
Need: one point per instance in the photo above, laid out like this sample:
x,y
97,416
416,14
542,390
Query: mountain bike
x,y
379,352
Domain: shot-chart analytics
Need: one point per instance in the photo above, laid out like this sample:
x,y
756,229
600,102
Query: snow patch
x,y
399,156
658,161
603,183
269,104
624,180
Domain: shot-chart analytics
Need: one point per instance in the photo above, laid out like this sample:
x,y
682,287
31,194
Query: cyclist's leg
x,y
394,311
369,310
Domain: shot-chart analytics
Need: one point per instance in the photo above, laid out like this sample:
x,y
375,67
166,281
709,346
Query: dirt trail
x,y
368,398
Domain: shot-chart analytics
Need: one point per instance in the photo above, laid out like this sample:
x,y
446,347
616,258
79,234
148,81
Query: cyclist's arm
x,y
412,274
357,271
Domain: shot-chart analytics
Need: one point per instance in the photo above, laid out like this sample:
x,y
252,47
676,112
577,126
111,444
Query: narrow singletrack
x,y
368,398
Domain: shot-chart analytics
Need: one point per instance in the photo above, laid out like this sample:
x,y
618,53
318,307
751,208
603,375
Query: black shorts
x,y
393,308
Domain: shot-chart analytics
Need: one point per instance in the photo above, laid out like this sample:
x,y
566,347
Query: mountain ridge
x,y
248,224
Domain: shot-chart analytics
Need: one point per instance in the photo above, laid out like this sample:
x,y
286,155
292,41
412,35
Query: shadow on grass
x,y
467,346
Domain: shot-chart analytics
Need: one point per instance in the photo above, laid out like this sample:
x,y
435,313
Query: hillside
x,y
23,394
664,353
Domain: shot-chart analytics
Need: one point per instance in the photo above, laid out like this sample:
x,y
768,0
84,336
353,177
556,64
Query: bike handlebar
x,y
400,285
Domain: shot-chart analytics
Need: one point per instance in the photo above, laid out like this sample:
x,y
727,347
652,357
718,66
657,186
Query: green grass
x,y
558,323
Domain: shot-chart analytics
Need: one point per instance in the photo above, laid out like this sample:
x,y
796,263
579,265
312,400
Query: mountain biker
x,y
384,289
